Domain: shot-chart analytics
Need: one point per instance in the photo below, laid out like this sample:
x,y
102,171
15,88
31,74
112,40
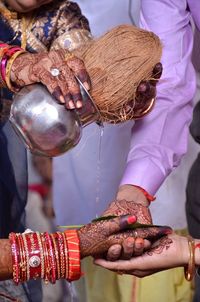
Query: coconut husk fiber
x,y
117,62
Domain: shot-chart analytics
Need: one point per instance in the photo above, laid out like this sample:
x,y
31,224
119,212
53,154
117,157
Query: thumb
x,y
120,223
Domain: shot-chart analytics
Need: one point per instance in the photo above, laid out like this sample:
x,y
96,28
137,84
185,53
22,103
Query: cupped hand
x,y
97,237
168,252
56,70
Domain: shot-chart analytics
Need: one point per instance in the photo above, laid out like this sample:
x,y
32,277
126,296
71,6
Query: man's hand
x,y
130,200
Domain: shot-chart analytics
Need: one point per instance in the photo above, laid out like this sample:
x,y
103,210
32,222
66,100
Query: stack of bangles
x,y
8,54
47,256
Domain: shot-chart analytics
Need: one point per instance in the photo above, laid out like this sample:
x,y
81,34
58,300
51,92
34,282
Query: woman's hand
x,y
96,238
168,252
135,203
56,70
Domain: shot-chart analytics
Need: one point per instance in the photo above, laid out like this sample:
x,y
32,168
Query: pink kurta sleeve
x,y
160,139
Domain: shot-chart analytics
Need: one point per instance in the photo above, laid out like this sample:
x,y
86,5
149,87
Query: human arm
x,y
160,139
30,249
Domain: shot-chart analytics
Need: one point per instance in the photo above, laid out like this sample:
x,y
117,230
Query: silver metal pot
x,y
45,126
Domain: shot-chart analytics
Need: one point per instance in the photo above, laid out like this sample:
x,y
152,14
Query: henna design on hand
x,y
33,68
123,207
164,244
96,238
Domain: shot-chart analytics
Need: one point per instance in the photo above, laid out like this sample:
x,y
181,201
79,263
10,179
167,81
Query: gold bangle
x,y
8,70
56,255
2,52
190,269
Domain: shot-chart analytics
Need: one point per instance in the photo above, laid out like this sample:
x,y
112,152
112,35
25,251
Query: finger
x,y
68,99
73,88
157,71
139,247
116,265
78,68
120,223
146,91
52,85
144,86
114,252
69,103
152,233
147,244
128,248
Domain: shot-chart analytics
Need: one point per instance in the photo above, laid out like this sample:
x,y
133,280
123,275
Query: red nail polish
x,y
131,219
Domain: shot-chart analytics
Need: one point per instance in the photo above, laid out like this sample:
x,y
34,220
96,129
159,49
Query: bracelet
x,y
62,255
148,196
47,256
51,258
8,70
22,264
190,269
56,253
15,259
73,245
3,62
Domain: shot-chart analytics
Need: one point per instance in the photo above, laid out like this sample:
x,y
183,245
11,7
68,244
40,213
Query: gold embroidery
x,y
72,40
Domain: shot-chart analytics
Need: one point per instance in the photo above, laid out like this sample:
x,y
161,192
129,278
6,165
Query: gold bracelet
x,y
2,52
8,70
190,269
56,255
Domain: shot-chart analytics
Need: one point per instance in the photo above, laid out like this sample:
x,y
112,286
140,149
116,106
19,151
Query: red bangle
x,y
51,258
34,255
149,197
73,254
15,259
63,260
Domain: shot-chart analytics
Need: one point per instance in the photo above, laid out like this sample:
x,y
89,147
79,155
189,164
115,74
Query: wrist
x,y
132,193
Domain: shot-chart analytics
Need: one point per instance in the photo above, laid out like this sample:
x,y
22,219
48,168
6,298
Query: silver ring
x,y
55,72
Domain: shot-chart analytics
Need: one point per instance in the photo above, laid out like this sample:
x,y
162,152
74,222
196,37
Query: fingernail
x,y
86,85
62,100
79,104
130,242
131,219
71,105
